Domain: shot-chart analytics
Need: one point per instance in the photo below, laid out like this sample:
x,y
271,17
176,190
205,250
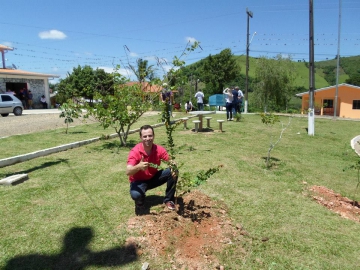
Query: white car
x,y
10,104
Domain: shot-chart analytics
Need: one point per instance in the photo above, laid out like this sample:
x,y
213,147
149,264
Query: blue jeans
x,y
139,188
200,106
236,108
229,108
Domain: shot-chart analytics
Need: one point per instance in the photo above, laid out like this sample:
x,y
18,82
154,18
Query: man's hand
x,y
173,169
143,165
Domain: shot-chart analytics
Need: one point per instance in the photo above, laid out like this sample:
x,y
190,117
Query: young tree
x,y
274,80
69,111
122,109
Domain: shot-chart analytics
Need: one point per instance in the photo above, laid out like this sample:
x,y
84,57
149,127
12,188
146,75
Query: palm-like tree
x,y
142,71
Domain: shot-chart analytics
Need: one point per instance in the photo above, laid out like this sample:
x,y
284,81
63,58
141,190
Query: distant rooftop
x,y
6,71
5,48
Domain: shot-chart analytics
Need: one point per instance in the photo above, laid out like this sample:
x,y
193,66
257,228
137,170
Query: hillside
x,y
303,72
325,71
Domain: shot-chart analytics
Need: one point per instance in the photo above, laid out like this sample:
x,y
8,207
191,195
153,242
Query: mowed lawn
x,y
84,191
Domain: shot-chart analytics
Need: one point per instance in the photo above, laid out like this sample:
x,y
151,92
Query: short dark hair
x,y
146,127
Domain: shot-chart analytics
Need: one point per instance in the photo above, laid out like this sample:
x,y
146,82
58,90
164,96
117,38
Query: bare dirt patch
x,y
29,123
343,206
188,238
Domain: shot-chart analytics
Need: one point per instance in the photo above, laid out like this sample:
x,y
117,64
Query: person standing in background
x,y
168,97
30,99
240,97
9,92
21,96
200,100
229,103
235,102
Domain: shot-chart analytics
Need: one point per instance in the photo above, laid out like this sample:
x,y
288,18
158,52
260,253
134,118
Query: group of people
x,y
233,98
199,95
26,98
167,96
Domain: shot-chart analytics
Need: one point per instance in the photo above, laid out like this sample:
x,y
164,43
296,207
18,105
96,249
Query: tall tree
x,y
218,70
273,85
85,82
142,70
354,80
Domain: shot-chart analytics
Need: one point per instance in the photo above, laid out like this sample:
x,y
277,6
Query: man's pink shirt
x,y
157,154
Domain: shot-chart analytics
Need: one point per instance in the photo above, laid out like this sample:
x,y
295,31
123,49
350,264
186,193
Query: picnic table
x,y
200,114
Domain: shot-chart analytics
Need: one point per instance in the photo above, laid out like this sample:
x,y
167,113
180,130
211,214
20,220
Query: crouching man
x,y
142,176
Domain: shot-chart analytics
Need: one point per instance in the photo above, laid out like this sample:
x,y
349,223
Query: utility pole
x,y
249,14
337,64
311,116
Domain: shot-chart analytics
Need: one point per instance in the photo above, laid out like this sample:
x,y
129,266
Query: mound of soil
x,y
192,236
189,237
343,206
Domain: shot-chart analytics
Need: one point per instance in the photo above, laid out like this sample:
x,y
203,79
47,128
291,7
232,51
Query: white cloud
x,y
123,71
132,54
107,69
52,34
150,58
190,39
168,67
126,72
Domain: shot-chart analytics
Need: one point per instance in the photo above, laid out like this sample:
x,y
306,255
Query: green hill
x,y
325,71
302,79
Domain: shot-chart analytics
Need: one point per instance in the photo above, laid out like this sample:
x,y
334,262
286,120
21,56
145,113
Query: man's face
x,y
147,137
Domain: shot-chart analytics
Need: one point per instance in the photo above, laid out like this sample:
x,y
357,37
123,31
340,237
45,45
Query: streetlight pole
x,y
249,14
311,116
337,64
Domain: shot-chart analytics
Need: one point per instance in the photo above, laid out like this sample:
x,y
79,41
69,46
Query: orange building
x,y
348,103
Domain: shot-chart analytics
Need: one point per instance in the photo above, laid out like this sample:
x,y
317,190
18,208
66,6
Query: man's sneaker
x,y
140,205
170,205
139,209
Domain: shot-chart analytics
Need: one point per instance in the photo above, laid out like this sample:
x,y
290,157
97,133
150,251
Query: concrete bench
x,y
208,121
196,122
220,124
185,122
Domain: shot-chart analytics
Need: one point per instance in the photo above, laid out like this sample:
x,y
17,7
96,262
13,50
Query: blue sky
x,y
55,36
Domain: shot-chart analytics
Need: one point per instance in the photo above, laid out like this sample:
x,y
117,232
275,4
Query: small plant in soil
x,y
269,119
69,111
356,166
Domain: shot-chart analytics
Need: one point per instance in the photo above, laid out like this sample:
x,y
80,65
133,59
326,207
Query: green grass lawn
x,y
86,189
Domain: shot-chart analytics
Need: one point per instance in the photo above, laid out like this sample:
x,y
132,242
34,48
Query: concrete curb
x,y
41,153
14,179
45,152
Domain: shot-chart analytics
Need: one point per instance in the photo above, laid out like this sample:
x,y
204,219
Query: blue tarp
x,y
217,100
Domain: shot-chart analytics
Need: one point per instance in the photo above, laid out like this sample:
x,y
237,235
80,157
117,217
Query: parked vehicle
x,y
10,104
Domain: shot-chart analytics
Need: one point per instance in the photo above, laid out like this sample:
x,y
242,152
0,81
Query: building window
x,y
328,103
356,105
